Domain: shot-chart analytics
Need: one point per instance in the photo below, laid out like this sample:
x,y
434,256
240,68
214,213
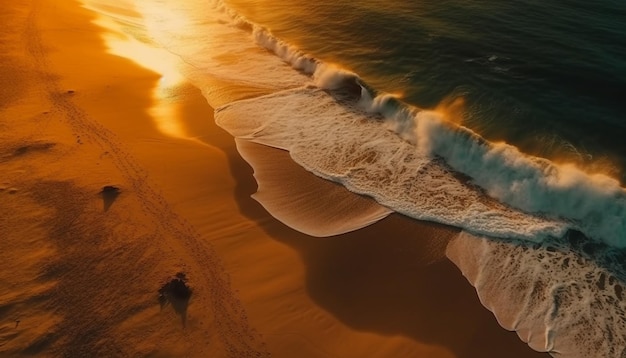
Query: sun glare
x,y
165,109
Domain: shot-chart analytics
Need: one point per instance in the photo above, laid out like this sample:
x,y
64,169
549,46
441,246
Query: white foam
x,y
342,143
222,44
558,299
301,200
594,204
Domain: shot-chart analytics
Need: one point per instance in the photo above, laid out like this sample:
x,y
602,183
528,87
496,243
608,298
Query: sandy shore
x,y
81,269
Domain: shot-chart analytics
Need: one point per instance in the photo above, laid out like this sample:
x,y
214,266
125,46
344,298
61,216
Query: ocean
x,y
504,119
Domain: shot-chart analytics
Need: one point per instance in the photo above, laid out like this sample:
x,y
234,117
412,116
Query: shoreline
x,y
78,121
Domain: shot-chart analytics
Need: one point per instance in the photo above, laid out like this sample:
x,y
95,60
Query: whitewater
x,y
541,240
537,198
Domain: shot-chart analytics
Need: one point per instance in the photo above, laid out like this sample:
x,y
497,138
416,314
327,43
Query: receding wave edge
x,y
594,204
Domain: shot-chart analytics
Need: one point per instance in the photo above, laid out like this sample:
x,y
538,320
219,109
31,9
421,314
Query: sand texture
x,y
119,239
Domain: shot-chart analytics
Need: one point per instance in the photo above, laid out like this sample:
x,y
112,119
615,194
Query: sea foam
x,y
416,162
593,204
346,145
224,45
301,201
565,297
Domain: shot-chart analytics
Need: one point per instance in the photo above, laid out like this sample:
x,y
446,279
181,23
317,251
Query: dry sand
x,y
80,269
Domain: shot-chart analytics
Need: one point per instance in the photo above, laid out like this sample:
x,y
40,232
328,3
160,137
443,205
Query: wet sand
x,y
81,266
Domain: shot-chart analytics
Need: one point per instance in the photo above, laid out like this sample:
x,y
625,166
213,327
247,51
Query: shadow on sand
x,y
177,293
109,194
373,280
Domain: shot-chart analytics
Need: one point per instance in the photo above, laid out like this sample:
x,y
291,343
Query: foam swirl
x,y
594,204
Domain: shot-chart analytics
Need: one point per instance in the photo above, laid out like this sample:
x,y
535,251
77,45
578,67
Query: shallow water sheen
x,y
565,297
406,102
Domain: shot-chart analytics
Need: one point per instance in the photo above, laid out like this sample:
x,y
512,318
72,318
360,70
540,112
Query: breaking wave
x,y
563,293
561,196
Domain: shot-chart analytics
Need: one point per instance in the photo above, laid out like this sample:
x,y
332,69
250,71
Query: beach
x,y
102,203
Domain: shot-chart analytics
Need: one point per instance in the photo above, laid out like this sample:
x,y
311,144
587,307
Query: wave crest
x,y
594,204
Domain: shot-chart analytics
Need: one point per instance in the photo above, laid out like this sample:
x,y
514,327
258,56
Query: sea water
x,y
446,81
501,118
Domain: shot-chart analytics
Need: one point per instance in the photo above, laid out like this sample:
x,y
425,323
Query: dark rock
x,y
177,293
110,189
176,288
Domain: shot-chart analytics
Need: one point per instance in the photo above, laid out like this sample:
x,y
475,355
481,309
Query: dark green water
x,y
546,76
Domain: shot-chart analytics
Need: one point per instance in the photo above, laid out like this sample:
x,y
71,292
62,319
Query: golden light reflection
x,y
165,109
452,109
